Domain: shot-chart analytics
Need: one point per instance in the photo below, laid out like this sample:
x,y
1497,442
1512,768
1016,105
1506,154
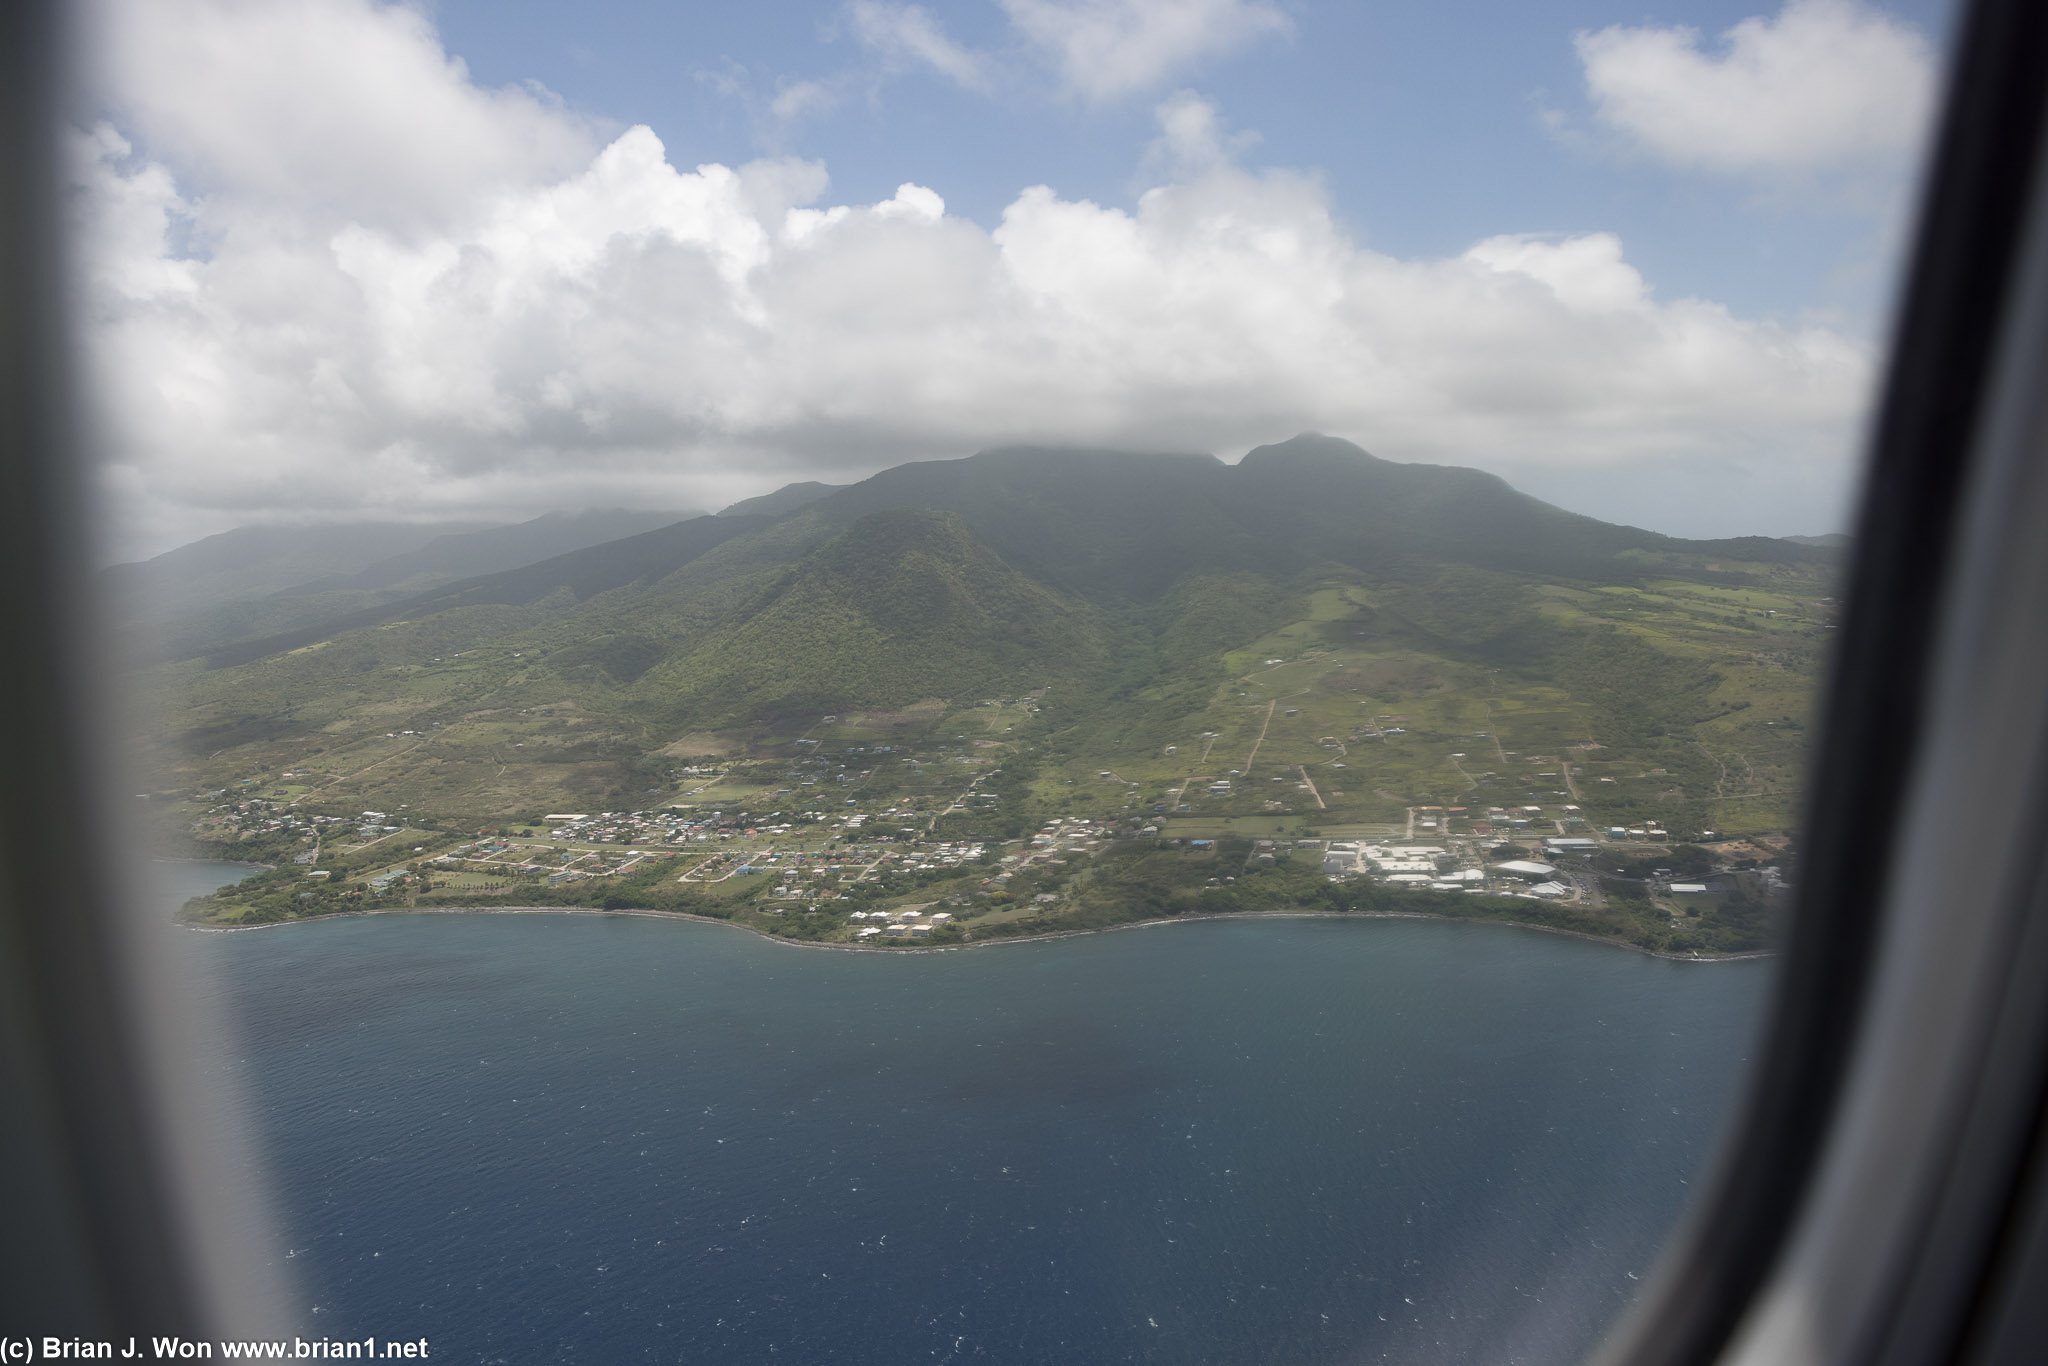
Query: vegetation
x,y
1311,643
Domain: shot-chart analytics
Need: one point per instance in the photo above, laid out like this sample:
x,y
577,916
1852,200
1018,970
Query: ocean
x,y
552,1138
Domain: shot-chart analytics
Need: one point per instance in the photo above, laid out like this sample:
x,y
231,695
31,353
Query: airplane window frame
x,y
97,1164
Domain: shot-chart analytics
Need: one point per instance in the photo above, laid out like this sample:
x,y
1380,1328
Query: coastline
x,y
649,913
230,862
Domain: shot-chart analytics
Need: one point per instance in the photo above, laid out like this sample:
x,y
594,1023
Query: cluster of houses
x,y
498,855
703,825
899,924
260,816
1066,833
1060,837
921,858
668,825
944,854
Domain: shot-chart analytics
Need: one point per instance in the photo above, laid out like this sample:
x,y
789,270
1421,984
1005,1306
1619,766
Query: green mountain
x,y
1119,526
263,582
905,605
256,561
1389,635
491,550
568,579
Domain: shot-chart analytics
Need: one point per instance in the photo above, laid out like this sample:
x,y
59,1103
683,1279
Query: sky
x,y
340,260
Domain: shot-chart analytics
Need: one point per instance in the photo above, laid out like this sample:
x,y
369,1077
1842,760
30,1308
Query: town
x,y
935,864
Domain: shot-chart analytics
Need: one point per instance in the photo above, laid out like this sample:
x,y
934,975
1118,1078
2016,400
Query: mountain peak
x,y
1311,448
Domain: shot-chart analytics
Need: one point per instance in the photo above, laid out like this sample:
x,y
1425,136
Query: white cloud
x,y
635,331
351,105
1824,84
798,99
1101,49
1191,139
1105,49
1586,272
908,34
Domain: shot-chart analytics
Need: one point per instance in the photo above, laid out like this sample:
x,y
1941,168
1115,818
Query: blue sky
x,y
344,258
1427,121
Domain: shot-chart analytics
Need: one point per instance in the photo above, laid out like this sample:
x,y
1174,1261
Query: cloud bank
x,y
564,319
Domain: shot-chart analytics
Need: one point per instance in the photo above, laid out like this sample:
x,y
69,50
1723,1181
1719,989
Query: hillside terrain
x,y
259,581
1310,648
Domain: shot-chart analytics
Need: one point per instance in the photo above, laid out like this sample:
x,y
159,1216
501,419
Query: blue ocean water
x,y
176,881
580,1139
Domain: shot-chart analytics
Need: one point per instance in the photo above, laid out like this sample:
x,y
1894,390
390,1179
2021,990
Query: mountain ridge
x,y
1150,594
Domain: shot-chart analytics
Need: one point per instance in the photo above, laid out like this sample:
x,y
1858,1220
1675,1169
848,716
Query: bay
x,y
590,1139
